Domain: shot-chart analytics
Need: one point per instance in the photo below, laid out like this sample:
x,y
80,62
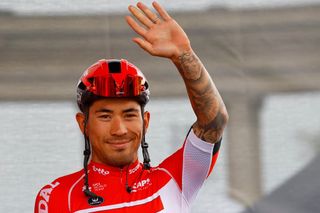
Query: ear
x,y
80,119
146,117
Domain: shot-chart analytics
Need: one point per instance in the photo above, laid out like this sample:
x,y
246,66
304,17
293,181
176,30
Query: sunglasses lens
x,y
110,87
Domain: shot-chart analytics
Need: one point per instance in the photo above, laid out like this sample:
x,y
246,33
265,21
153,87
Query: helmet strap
x,y
144,144
87,153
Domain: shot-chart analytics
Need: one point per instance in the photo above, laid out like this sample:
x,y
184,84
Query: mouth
x,y
119,144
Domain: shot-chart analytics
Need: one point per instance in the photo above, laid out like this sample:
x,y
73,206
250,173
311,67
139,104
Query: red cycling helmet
x,y
112,78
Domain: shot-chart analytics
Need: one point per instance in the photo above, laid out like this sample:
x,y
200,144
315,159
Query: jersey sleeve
x,y
51,200
191,164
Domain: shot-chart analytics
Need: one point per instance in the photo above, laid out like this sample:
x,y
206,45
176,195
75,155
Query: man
x,y
111,96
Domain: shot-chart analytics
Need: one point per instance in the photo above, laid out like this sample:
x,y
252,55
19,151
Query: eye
x,y
105,116
130,115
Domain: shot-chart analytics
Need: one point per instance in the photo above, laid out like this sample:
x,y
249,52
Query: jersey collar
x,y
105,170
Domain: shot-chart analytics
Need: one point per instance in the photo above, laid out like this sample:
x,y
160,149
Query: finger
x,y
135,26
162,12
140,16
144,45
151,15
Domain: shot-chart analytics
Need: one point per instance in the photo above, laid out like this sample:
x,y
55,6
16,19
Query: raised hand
x,y
160,34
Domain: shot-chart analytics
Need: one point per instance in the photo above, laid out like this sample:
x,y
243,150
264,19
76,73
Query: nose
x,y
118,127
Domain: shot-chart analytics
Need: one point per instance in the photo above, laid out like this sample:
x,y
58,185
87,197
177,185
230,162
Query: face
x,y
114,129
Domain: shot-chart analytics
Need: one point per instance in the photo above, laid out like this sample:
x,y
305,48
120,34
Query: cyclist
x,y
111,95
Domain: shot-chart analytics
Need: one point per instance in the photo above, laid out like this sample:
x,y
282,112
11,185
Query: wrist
x,y
177,58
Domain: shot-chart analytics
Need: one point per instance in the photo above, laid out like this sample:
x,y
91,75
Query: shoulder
x,y
55,195
64,183
70,179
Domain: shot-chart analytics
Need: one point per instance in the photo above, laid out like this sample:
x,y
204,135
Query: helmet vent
x,y
114,67
82,86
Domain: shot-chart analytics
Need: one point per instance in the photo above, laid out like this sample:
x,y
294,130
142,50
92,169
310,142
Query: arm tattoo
x,y
188,66
204,97
211,132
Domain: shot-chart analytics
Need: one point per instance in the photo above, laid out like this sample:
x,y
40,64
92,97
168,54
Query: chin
x,y
121,161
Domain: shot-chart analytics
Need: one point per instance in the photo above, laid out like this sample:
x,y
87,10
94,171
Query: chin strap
x,y
86,153
144,144
145,153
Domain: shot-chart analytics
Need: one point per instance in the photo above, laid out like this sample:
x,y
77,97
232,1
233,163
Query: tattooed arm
x,y
205,99
162,36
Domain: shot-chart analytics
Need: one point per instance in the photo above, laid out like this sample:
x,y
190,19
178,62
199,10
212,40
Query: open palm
x,y
159,36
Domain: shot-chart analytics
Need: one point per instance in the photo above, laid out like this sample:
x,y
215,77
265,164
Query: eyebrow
x,y
105,110
130,110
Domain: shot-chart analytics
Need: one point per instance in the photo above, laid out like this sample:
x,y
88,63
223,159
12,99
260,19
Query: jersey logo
x,y
93,201
45,196
99,186
141,185
100,171
131,171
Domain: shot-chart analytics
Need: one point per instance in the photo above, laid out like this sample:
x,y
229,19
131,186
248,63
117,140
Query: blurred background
x,y
263,56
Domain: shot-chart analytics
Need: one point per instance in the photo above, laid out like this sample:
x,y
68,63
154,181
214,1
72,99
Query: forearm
x,y
205,99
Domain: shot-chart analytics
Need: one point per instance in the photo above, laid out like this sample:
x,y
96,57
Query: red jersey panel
x,y
169,187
